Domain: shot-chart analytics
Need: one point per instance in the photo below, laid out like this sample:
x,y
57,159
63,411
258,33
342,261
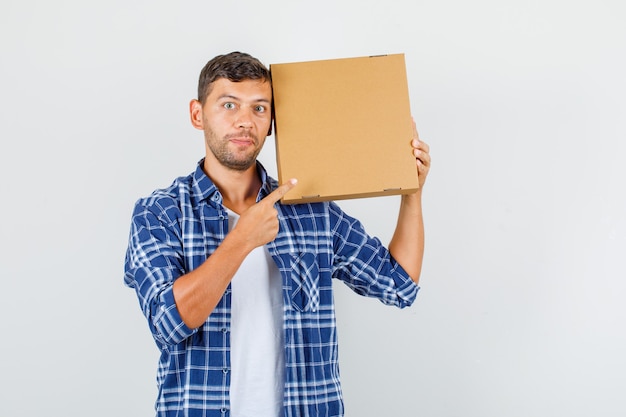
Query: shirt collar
x,y
205,189
268,183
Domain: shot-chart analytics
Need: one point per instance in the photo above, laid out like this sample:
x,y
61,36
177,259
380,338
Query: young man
x,y
235,286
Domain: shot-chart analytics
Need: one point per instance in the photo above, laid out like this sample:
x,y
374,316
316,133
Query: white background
x,y
522,309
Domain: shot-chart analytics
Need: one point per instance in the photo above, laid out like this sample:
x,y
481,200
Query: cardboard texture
x,y
343,128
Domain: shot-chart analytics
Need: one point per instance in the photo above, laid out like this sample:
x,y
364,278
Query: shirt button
x,y
225,370
224,410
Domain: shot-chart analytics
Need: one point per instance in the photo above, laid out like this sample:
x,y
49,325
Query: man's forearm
x,y
199,291
407,243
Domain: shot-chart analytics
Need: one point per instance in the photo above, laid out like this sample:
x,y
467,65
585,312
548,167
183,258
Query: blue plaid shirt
x,y
175,229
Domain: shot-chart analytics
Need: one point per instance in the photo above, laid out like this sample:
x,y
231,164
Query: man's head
x,y
235,66
234,109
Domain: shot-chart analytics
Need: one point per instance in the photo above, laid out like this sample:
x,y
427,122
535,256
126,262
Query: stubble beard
x,y
237,161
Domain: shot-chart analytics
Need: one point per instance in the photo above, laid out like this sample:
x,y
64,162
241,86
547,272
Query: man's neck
x,y
239,189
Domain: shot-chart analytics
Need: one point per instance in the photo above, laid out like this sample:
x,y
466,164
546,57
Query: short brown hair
x,y
235,66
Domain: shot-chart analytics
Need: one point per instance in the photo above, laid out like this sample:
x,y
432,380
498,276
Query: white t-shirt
x,y
257,341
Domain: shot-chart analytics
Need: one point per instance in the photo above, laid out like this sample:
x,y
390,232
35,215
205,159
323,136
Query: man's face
x,y
236,118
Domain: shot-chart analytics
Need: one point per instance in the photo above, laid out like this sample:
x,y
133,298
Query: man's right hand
x,y
259,223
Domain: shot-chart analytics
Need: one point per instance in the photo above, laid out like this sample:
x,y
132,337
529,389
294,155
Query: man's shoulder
x,y
327,212
303,209
172,196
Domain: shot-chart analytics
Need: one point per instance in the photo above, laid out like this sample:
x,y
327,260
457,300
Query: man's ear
x,y
269,132
195,114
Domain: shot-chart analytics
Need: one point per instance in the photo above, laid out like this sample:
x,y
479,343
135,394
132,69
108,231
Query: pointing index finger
x,y
278,193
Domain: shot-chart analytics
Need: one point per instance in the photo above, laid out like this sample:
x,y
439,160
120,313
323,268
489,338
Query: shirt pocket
x,y
304,280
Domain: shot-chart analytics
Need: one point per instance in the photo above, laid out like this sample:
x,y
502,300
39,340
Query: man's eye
x,y
229,106
260,108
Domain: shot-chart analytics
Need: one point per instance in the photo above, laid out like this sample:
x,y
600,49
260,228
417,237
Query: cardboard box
x,y
343,128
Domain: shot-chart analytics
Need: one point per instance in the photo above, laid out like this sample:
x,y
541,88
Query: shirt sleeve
x,y
154,259
364,264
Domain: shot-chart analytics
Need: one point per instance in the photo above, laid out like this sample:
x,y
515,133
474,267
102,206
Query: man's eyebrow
x,y
232,97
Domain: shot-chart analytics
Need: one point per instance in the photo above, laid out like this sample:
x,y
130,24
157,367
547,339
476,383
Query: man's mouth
x,y
242,139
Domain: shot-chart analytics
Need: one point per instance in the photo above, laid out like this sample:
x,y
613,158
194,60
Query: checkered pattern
x,y
175,229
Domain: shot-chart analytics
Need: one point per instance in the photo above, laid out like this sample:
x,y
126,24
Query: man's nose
x,y
244,118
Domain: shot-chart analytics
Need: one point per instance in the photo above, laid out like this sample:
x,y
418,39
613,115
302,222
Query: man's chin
x,y
239,165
